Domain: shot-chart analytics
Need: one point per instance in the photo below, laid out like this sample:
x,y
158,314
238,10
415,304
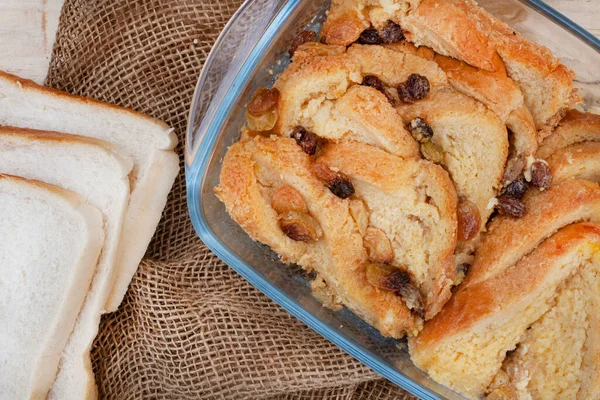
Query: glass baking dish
x,y
250,53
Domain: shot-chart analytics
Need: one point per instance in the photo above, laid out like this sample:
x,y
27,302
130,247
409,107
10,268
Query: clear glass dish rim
x,y
196,161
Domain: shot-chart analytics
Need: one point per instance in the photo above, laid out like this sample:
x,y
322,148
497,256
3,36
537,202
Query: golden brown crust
x,y
250,169
345,22
581,161
58,94
473,138
450,28
486,297
370,111
58,137
463,30
489,318
494,89
574,128
417,196
509,238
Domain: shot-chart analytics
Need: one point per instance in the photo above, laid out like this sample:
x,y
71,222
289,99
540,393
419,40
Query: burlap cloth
x,y
189,327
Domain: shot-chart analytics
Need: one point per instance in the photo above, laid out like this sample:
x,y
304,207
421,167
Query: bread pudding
x,y
428,166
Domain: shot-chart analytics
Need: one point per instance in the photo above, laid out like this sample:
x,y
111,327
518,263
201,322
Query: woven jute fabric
x,y
189,327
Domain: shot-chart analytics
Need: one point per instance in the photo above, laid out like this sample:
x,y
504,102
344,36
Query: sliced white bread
x,y
98,171
50,241
149,143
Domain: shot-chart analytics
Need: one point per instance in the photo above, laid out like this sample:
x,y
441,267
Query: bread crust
x,y
462,30
170,139
34,135
373,170
338,256
524,291
575,127
510,239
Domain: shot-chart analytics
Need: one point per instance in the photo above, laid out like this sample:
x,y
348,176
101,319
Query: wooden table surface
x,y
28,27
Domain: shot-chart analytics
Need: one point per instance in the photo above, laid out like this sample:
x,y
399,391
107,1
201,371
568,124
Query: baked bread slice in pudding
x,y
523,322
376,161
284,198
269,188
462,30
465,345
331,95
411,206
496,91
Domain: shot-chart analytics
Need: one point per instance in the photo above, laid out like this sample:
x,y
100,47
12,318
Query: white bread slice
x,y
50,241
99,172
149,143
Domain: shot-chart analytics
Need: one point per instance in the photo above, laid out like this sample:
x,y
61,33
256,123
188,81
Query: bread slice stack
x,y
83,188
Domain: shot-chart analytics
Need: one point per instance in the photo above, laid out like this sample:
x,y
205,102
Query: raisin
x,y
415,88
420,130
305,139
379,248
263,122
369,36
390,98
469,220
432,152
264,100
338,183
541,176
413,299
387,277
299,226
342,187
517,188
303,37
286,199
510,206
391,33
403,94
374,82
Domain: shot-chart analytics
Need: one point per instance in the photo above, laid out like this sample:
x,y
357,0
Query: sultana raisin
x,y
510,206
264,100
517,188
305,139
391,33
387,277
469,220
303,37
299,226
541,176
420,130
369,36
432,152
338,183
